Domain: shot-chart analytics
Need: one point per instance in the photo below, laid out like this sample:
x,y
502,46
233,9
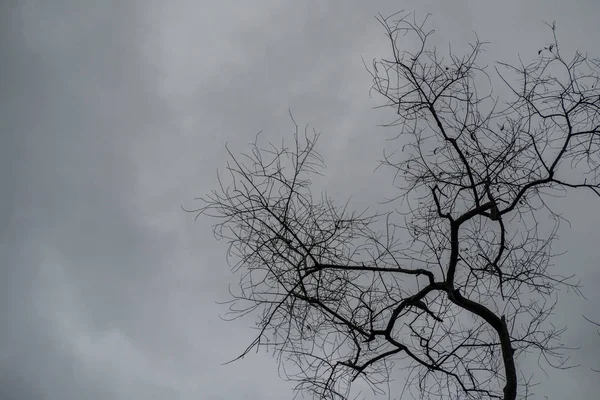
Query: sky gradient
x,y
113,114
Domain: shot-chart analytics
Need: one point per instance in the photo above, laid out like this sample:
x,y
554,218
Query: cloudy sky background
x,y
114,113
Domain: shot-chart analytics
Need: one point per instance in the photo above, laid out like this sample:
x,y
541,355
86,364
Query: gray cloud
x,y
114,113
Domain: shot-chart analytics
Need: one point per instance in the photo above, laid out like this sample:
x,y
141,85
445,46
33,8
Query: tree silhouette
x,y
457,284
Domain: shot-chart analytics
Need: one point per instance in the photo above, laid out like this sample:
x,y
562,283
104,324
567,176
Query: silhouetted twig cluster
x,y
454,288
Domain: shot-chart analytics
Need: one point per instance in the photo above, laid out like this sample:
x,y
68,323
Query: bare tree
x,y
458,284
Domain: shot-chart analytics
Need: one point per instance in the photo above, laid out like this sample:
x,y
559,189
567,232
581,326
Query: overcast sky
x,y
115,113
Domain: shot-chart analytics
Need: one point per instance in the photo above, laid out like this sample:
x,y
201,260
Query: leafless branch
x,y
461,286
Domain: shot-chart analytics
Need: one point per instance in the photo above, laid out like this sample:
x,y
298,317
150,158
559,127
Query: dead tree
x,y
454,287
